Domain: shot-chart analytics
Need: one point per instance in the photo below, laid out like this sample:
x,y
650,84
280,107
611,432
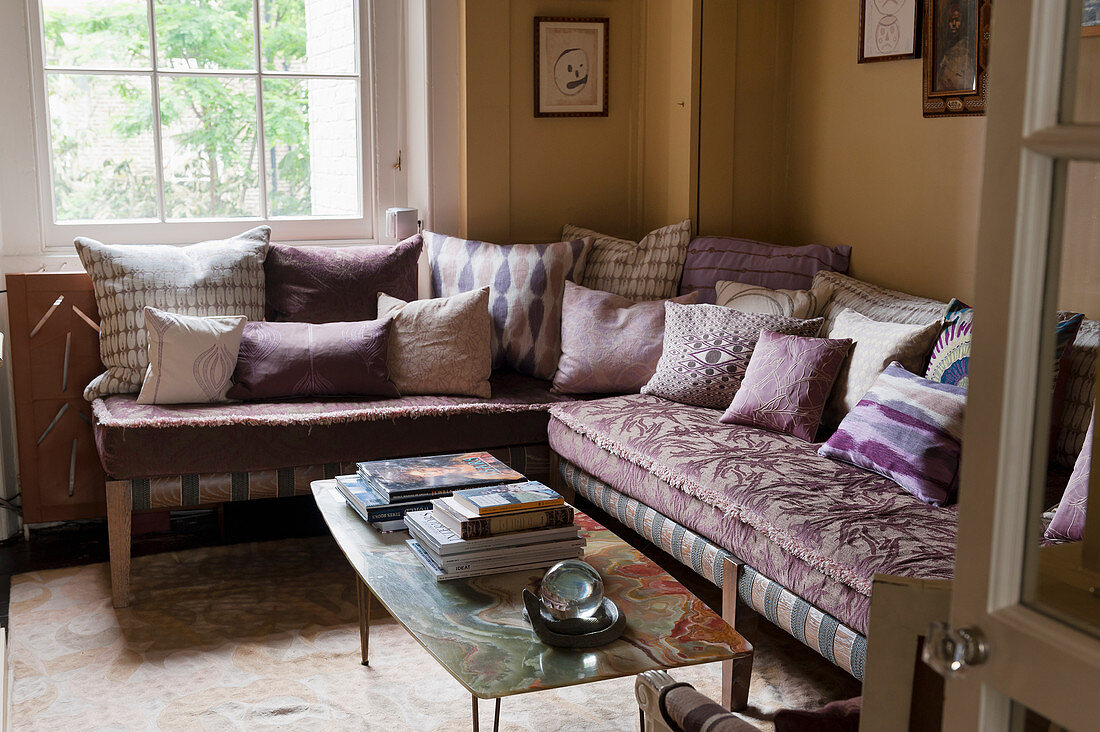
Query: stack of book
x,y
383,491
494,529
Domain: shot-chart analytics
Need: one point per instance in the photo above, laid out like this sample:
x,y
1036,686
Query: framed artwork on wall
x,y
571,61
889,30
1090,23
956,51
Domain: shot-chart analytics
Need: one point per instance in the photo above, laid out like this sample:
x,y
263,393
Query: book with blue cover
x,y
419,476
372,507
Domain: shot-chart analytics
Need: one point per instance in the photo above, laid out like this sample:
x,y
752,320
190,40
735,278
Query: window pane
x,y
311,130
94,33
101,147
204,34
315,36
209,144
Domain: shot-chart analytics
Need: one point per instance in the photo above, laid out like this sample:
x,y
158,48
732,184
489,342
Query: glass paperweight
x,y
571,589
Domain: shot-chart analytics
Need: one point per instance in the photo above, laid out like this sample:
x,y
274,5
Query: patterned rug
x,y
258,636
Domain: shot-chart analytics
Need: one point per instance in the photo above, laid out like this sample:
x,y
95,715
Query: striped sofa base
x,y
843,646
182,491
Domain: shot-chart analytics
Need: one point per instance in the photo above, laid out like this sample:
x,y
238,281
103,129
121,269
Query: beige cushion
x,y
212,278
644,270
756,299
875,346
874,302
191,359
440,346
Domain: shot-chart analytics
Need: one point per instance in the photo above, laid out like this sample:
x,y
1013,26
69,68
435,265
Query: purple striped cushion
x,y
1069,520
714,258
908,429
526,286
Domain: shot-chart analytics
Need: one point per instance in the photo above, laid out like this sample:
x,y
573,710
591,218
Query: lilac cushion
x,y
609,344
714,258
304,359
337,284
1069,520
908,429
786,383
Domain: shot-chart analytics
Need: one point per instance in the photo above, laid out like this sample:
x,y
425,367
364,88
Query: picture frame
x,y
956,54
571,67
1090,21
889,30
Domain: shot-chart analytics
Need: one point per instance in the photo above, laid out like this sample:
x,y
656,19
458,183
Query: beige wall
x,y
866,169
524,177
1081,253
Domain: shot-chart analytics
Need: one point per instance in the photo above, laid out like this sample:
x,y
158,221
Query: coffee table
x,y
475,628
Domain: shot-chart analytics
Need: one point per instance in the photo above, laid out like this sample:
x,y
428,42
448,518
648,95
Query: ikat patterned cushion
x,y
707,349
876,346
526,285
786,384
208,279
644,270
908,429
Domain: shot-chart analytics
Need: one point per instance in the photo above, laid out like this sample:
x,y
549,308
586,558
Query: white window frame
x,y
380,36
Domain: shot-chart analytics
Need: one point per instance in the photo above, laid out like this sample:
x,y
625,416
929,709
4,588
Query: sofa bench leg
x,y
119,506
737,672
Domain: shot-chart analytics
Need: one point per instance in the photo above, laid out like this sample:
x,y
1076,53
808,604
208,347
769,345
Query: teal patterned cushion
x,y
950,361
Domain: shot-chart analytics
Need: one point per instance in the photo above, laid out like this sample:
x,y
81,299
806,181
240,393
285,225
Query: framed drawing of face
x,y
956,50
571,57
888,30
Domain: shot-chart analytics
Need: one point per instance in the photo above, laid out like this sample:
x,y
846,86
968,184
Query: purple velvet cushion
x,y
1069,520
304,359
786,383
609,344
908,429
714,258
337,284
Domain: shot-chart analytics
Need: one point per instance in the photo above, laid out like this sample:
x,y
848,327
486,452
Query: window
x,y
202,117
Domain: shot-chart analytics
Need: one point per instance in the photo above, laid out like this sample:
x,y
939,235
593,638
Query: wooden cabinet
x,y
54,337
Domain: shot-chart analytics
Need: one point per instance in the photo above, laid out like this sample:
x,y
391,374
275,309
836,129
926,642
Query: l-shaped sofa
x,y
809,533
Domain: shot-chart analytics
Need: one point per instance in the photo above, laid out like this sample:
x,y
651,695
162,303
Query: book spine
x,y
475,528
418,494
507,507
390,513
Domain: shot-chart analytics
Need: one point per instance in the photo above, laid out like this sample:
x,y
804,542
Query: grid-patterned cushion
x,y
526,286
644,270
212,278
874,302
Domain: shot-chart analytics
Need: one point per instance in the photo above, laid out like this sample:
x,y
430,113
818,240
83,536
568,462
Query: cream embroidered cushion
x,y
645,270
440,346
876,346
756,299
191,359
212,278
